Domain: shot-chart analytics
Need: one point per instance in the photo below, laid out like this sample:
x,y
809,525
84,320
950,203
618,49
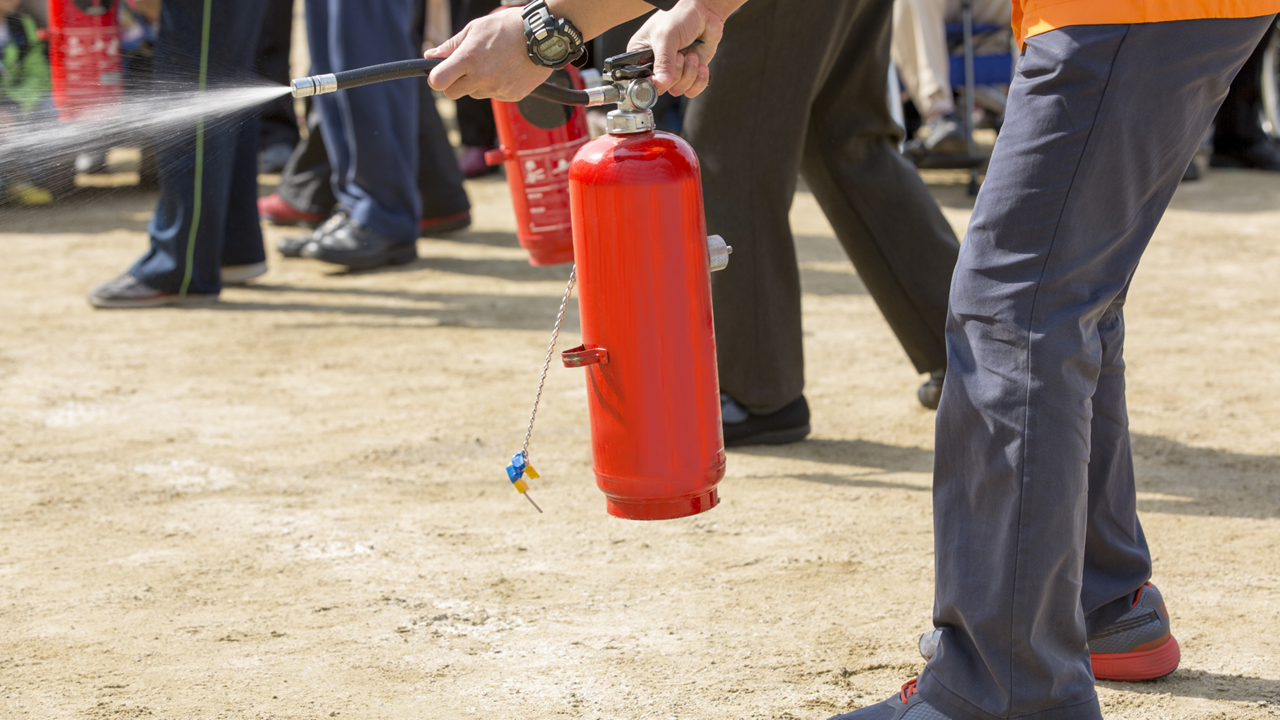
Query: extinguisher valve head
x,y
628,122
633,115
641,94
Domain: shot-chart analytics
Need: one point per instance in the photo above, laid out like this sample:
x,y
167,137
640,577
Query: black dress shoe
x,y
358,247
788,425
1261,155
291,247
931,391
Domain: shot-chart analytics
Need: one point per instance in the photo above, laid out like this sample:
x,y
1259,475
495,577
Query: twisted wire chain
x,y
546,364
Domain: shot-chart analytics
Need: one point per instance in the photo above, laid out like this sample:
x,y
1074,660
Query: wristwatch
x,y
552,43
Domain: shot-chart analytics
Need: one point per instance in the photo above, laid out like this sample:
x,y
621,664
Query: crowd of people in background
x,y
293,146
365,173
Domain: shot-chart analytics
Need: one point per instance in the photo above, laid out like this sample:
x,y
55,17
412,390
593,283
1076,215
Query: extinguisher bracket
x,y
718,252
583,356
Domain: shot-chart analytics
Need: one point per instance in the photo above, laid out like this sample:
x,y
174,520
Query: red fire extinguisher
x,y
84,57
537,141
643,258
642,262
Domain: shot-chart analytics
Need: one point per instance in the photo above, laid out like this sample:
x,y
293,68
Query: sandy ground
x,y
292,504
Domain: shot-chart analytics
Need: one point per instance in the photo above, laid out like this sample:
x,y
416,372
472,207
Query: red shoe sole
x,y
1134,666
446,224
277,212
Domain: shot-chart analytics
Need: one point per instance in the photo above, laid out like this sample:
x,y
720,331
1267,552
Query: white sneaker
x,y
242,274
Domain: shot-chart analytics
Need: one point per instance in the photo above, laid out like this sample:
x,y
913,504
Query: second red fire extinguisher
x,y
84,57
537,141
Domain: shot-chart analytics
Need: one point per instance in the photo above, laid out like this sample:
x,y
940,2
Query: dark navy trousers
x,y
1037,538
371,133
228,232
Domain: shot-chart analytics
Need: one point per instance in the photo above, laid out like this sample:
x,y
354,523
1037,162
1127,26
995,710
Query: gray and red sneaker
x,y
906,705
1139,645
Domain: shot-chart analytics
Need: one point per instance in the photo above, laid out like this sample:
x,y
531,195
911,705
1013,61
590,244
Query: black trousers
x,y
475,117
279,121
760,122
1238,125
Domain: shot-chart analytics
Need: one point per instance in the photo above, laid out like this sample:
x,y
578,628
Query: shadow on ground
x,y
510,312
1242,486
1207,685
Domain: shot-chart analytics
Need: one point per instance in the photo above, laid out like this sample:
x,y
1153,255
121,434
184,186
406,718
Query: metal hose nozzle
x,y
314,85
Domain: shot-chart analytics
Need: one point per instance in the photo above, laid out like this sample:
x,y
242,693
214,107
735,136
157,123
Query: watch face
x,y
554,49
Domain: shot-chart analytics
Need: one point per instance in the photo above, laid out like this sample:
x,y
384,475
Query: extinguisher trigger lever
x,y
635,64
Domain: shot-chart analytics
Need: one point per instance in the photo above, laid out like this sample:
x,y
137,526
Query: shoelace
x,y
908,689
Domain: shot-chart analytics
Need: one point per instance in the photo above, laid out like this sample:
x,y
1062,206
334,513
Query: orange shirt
x,y
1032,17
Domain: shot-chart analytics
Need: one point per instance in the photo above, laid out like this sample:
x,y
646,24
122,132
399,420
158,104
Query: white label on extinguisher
x,y
546,184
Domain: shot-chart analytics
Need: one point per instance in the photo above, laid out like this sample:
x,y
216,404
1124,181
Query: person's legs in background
x,y
923,62
475,117
883,214
370,132
279,131
445,207
889,224
1238,138
919,51
373,137
304,195
202,177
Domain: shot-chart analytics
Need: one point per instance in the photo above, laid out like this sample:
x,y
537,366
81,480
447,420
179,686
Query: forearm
x,y
489,57
593,17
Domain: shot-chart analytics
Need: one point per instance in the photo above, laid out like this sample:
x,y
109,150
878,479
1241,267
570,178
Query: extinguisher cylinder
x,y
644,293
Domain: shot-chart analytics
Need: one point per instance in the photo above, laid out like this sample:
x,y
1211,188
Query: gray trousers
x,y
804,89
1037,538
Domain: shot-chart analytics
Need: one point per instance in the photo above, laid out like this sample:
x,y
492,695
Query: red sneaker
x,y
274,209
1139,645
444,224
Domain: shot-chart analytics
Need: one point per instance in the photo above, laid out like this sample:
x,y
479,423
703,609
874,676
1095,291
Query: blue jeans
x,y
228,231
371,132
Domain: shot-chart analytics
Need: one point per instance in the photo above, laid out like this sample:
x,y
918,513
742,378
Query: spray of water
x,y
158,114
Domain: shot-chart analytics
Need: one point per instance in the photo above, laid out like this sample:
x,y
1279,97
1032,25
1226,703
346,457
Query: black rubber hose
x,y
562,95
420,67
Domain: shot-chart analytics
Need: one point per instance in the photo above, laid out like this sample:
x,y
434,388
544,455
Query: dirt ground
x,y
292,504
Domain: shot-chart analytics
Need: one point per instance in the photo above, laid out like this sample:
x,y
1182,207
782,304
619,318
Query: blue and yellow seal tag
x,y
516,471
